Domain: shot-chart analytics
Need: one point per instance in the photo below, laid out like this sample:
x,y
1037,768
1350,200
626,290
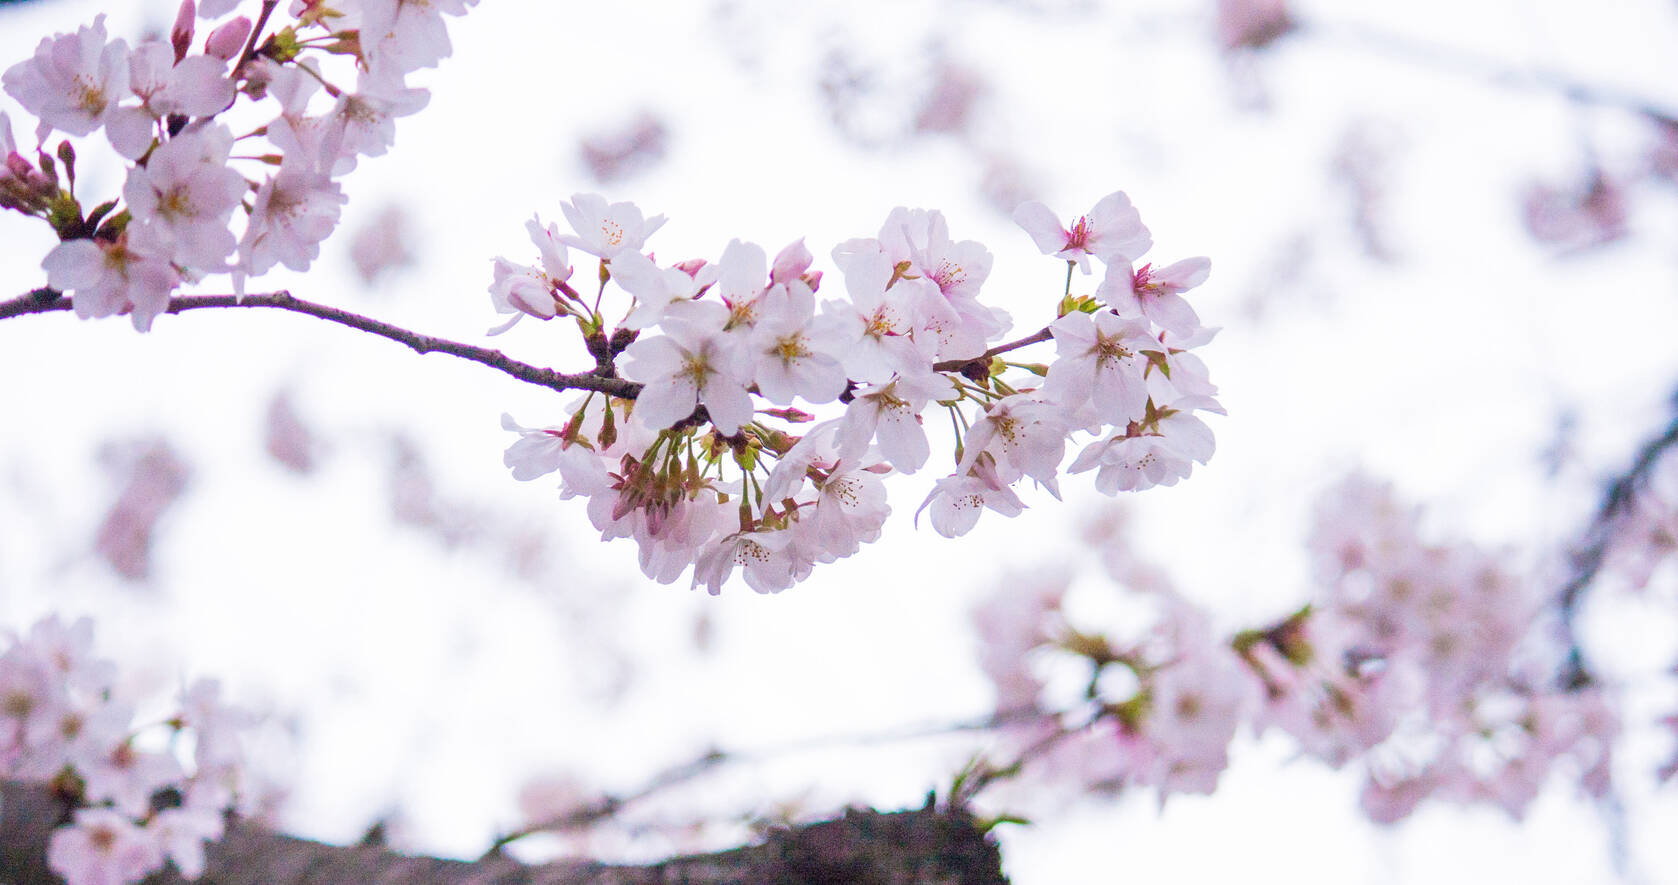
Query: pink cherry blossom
x,y
183,198
1112,232
399,36
794,352
294,210
523,290
607,230
103,847
73,81
1101,361
197,86
688,365
958,501
363,124
656,289
1156,293
765,559
109,278
890,413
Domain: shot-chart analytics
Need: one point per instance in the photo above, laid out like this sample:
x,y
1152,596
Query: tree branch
x,y
928,845
1587,559
1487,70
983,359
49,301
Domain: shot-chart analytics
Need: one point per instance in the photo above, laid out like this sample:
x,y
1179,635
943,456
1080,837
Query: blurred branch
x,y
48,301
605,807
1587,559
928,845
1485,69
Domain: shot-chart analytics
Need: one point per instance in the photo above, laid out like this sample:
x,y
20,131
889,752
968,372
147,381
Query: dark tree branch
x,y
928,845
48,301
603,378
1587,559
984,359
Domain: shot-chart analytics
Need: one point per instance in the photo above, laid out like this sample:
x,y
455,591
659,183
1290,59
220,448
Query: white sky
x,y
435,681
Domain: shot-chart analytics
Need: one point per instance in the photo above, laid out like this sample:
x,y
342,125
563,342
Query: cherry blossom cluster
x,y
197,199
694,444
145,795
1422,663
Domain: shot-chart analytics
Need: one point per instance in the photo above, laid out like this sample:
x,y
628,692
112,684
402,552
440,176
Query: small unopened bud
x,y
796,416
691,267
18,165
813,279
791,263
47,167
225,41
180,36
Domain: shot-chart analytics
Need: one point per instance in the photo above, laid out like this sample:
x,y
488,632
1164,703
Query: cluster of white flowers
x,y
1423,664
167,111
700,464
141,800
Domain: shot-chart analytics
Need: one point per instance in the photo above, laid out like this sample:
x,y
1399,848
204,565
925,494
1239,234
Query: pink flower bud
x,y
691,267
227,40
18,165
180,36
791,263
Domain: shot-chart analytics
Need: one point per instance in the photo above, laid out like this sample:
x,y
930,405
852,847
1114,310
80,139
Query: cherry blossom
x,y
522,290
606,230
1157,293
294,210
958,501
110,278
688,365
74,80
1101,361
102,847
196,86
1112,232
183,198
890,413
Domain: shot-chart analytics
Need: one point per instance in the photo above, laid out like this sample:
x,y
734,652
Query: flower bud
x,y
226,40
180,36
791,263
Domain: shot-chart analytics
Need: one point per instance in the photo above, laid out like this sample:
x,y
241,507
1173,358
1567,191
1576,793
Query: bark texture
x,y
928,845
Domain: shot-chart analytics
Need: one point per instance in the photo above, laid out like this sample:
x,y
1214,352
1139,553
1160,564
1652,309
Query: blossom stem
x,y
46,300
262,17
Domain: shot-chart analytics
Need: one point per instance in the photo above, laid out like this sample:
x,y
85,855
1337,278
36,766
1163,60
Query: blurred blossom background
x,y
1442,237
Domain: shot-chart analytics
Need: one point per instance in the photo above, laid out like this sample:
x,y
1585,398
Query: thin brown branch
x,y
1042,334
49,301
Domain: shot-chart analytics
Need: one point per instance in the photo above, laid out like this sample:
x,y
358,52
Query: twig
x,y
1488,70
1042,334
1587,559
606,806
49,301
